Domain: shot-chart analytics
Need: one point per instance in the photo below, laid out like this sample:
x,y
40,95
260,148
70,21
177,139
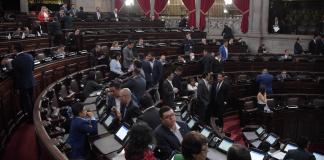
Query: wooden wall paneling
x,y
83,65
48,77
39,84
59,72
71,68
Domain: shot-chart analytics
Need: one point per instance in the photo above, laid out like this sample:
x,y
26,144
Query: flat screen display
x,y
184,114
289,147
191,123
256,155
205,132
271,139
109,120
259,130
122,133
225,145
318,156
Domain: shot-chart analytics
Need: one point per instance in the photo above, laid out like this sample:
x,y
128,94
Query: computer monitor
x,y
260,131
121,133
289,146
256,154
184,115
108,121
271,139
205,132
318,156
191,123
101,111
225,144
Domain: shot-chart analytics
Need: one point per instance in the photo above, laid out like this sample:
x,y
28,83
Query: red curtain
x,y
145,5
159,6
243,6
191,7
119,4
204,7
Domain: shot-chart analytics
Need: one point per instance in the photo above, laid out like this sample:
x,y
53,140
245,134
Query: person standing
x,y
188,44
128,55
219,99
203,95
24,81
223,52
168,91
298,49
265,79
153,70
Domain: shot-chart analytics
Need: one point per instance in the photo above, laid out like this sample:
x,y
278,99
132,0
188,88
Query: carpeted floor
x,y
22,144
232,125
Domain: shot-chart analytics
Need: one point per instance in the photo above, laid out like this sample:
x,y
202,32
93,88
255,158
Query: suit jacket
x,y
203,94
207,63
129,112
187,45
177,82
23,66
151,117
82,15
137,85
223,53
312,47
168,94
299,154
55,28
111,102
167,141
218,97
67,22
128,57
265,80
298,49
152,76
79,130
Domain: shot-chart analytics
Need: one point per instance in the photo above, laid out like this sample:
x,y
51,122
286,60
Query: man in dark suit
x,y
168,91
129,109
150,112
188,44
313,46
298,49
203,96
169,133
81,14
265,79
98,14
301,153
207,61
128,55
153,70
177,80
112,99
136,84
82,124
227,33
54,29
23,66
219,99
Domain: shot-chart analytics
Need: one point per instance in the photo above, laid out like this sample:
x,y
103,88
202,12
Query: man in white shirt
x,y
98,14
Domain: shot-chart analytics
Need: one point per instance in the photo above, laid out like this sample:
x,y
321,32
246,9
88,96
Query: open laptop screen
x,y
225,145
191,123
108,120
259,130
271,139
122,133
318,156
256,155
289,147
205,132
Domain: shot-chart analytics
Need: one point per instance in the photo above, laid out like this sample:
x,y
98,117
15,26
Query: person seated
x,y
238,152
94,54
283,76
298,49
169,134
83,123
204,41
91,84
301,153
286,56
227,32
138,144
81,14
115,46
140,43
262,49
129,109
192,57
163,60
112,98
60,52
115,66
150,113
17,33
137,65
183,22
261,99
265,79
26,31
192,87
188,44
194,147
181,60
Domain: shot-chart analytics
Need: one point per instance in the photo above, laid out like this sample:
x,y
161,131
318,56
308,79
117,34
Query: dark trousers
x,y
27,101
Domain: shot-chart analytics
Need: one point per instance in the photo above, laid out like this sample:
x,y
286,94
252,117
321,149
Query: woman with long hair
x,y
261,98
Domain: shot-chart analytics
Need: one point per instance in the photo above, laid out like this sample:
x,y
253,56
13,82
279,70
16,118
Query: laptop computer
x,y
257,154
112,143
318,156
192,122
185,115
207,132
254,135
272,139
90,100
225,144
280,154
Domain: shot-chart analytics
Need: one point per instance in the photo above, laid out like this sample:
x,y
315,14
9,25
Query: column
x,y
255,16
265,17
24,6
198,3
152,3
